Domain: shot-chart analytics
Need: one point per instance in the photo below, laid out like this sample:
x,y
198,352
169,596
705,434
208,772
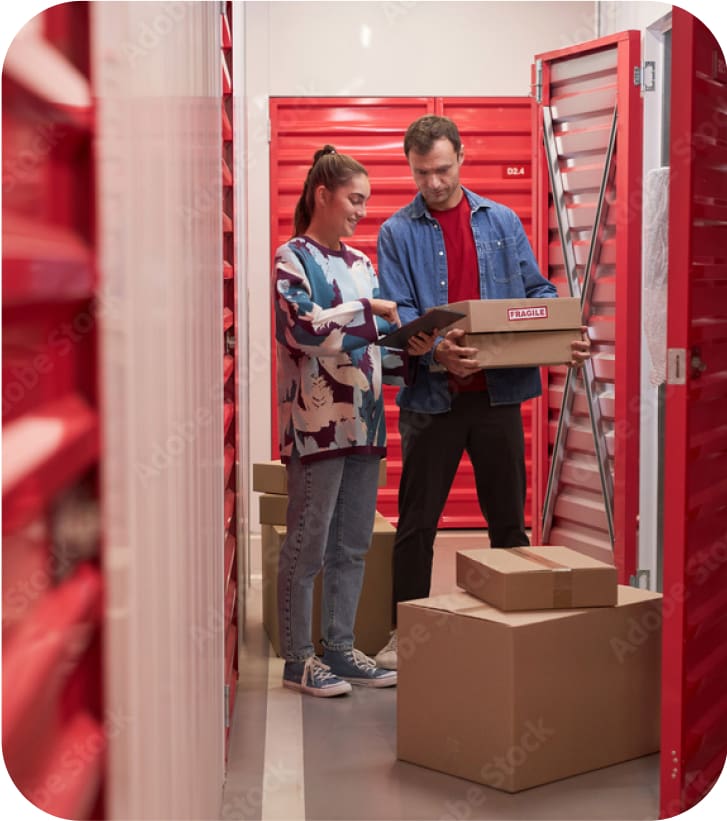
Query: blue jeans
x,y
331,510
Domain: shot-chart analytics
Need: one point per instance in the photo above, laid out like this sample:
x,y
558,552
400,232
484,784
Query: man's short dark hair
x,y
424,132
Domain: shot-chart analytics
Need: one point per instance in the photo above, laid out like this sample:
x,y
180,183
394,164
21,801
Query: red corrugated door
x,y
589,242
497,137
694,687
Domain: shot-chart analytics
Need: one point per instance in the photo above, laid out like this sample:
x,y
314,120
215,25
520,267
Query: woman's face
x,y
346,205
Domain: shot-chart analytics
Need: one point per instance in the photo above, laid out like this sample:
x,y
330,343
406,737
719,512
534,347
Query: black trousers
x,y
432,446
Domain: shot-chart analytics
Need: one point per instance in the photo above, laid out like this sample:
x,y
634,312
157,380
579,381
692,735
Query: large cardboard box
x,y
536,578
373,619
271,477
519,332
514,700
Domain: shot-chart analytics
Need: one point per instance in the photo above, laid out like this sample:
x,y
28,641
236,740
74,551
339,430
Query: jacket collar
x,y
419,206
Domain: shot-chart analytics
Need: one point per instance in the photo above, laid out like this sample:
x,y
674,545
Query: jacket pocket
x,y
502,258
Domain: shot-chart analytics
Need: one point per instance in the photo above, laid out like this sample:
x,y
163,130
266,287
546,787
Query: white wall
x,y
398,48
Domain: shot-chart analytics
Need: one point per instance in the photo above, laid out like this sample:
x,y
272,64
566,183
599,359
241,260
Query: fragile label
x,y
536,312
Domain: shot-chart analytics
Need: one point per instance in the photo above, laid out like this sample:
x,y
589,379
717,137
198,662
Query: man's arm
x,y
395,277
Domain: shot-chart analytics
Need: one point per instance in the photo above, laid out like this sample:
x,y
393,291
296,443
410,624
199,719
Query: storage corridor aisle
x,y
335,759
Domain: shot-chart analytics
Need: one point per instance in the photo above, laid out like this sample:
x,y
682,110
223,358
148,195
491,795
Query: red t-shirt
x,y
463,273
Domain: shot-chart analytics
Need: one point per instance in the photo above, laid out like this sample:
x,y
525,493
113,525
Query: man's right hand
x,y
456,359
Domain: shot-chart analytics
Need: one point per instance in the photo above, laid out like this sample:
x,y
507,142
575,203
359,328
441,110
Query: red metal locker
x,y
498,153
589,241
694,685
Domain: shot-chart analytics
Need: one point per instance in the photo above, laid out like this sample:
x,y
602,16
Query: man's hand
x,y
580,349
457,360
421,343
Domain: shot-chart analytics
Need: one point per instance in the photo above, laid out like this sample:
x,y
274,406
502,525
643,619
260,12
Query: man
x,y
450,244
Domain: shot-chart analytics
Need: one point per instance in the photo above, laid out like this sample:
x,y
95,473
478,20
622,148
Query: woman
x,y
331,423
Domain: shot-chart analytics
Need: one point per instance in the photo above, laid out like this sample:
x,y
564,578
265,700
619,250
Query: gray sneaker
x,y
386,657
356,667
314,678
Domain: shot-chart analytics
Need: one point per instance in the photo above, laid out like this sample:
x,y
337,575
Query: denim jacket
x,y
413,272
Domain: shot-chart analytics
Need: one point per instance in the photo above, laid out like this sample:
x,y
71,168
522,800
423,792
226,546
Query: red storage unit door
x,y
497,138
589,242
694,685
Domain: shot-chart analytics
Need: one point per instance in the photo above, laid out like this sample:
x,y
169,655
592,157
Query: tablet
x,y
433,318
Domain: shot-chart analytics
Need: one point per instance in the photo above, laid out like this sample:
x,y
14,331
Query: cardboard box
x,y
373,619
271,477
514,700
536,578
273,508
519,332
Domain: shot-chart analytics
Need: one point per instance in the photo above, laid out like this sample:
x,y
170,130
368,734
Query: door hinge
x,y
636,579
538,81
676,366
227,705
645,76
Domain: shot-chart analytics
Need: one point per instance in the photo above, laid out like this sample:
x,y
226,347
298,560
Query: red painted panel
x,y
694,683
497,136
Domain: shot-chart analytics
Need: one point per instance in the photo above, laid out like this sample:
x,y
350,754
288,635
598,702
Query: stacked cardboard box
x,y
538,683
373,619
519,332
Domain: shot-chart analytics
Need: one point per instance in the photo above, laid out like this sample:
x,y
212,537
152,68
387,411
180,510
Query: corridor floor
x,y
296,758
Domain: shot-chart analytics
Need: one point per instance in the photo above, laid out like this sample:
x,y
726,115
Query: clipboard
x,y
433,318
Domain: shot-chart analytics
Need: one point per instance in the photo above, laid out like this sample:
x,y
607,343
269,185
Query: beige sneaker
x,y
386,657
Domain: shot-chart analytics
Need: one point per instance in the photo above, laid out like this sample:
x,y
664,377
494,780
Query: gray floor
x,y
302,759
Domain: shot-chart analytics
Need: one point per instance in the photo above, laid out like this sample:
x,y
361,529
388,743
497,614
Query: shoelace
x,y
393,642
362,660
314,670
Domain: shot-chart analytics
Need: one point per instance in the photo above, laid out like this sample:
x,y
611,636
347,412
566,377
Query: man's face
x,y
436,174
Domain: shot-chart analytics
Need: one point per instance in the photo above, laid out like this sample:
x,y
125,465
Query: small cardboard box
x,y
273,508
536,578
373,619
271,477
522,699
519,332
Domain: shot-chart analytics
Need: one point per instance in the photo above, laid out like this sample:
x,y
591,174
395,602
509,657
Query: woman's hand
x,y
387,310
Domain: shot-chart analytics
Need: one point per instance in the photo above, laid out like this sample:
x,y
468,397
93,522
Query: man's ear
x,y
460,158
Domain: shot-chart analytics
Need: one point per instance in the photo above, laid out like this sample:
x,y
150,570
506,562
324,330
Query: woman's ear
x,y
321,195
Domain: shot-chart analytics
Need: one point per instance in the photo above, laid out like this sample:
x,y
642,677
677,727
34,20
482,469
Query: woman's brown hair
x,y
329,168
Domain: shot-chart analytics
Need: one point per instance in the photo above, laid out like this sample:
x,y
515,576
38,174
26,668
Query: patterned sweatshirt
x,y
329,372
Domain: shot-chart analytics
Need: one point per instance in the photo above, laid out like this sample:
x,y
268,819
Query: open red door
x,y
588,195
694,684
